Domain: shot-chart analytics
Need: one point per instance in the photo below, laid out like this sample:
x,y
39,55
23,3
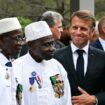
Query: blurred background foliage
x,y
24,21
31,10
99,8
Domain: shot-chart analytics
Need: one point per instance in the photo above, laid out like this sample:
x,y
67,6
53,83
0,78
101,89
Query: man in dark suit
x,y
100,42
91,91
97,44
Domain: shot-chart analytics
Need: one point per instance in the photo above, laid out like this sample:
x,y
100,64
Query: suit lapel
x,y
70,59
70,64
91,61
99,44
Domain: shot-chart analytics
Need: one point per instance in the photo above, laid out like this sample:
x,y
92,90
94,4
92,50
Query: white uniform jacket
x,y
44,83
7,85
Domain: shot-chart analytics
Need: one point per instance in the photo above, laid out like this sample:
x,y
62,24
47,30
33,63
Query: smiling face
x,y
80,31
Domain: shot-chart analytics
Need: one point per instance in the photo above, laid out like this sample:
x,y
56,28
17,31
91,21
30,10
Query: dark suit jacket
x,y
94,81
97,44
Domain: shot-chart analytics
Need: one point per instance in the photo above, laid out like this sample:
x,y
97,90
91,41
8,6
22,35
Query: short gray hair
x,y
51,17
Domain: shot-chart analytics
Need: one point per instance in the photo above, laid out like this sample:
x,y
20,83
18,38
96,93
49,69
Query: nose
x,y
78,31
61,29
21,42
52,48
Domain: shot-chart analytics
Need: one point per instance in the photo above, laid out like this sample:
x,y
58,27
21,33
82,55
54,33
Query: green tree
x,y
24,21
99,8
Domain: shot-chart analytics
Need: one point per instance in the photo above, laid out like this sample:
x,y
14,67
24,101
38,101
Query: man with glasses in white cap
x,y
44,80
10,44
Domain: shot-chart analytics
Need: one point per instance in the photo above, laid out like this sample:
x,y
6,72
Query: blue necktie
x,y
8,64
80,67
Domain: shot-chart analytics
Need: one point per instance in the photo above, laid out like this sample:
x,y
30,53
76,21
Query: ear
x,y
93,35
103,29
29,44
93,32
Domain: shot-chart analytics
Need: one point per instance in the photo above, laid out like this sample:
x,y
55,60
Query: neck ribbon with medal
x,y
34,78
19,86
8,65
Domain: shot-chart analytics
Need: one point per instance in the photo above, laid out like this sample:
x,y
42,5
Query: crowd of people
x,y
55,65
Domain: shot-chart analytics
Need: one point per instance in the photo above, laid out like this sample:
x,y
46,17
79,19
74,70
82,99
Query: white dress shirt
x,y
102,43
85,55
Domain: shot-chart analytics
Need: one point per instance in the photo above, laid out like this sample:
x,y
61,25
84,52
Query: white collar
x,y
74,48
101,40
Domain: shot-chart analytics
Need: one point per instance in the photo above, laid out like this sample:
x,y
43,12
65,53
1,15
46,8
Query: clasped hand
x,y
83,99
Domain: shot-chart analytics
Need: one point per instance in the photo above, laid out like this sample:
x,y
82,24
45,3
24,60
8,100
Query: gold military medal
x,y
32,89
7,76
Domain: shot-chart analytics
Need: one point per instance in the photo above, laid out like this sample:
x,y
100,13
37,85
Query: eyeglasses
x,y
17,38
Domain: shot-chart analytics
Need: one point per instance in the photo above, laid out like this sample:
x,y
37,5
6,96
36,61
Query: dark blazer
x,y
94,81
97,44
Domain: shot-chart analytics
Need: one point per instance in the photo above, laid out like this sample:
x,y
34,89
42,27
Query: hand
x,y
84,98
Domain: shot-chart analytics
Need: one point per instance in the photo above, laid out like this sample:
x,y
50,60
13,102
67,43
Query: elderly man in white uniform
x,y
10,29
44,79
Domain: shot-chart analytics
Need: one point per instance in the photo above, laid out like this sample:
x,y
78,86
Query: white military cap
x,y
9,24
37,30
